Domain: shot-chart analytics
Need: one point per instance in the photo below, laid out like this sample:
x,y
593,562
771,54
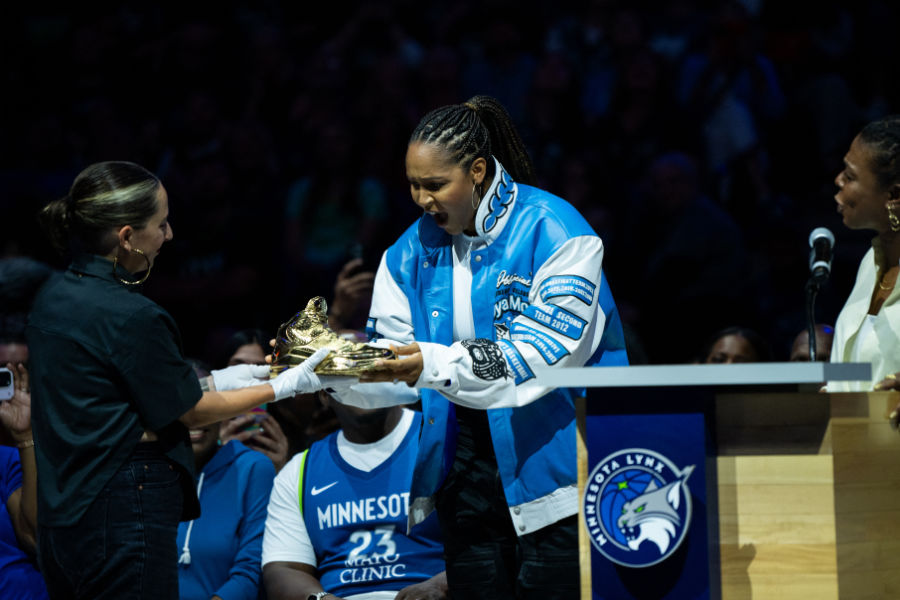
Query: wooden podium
x,y
802,488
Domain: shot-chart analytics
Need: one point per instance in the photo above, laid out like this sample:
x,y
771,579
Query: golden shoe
x,y
308,331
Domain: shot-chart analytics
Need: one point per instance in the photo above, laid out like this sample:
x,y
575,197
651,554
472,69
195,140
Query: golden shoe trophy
x,y
308,331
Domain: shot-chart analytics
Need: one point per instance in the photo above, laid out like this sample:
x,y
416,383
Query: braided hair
x,y
882,137
478,128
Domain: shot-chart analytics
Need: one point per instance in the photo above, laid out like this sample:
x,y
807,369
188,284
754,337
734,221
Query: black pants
x,y
484,556
124,547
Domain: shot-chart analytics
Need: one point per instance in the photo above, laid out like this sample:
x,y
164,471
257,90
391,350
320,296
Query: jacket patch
x,y
551,350
520,368
568,285
557,319
510,300
487,359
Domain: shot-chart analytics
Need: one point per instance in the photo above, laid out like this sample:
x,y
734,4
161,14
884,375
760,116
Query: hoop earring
x,y
893,219
142,279
477,193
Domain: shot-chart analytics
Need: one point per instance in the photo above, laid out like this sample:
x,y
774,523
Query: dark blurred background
x,y
700,139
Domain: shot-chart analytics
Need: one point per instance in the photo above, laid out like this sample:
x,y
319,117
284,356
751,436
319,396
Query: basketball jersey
x,y
356,520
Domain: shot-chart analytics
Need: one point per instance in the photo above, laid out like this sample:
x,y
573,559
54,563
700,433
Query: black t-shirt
x,y
105,364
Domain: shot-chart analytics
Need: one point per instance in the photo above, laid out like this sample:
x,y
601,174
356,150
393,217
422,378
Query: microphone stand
x,y
812,289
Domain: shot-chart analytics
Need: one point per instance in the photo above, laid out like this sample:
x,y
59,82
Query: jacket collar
x,y
494,208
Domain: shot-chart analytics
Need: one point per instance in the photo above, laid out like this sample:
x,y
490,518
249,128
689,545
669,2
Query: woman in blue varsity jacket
x,y
496,281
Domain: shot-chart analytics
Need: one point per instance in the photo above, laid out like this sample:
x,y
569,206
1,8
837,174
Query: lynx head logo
x,y
654,514
637,507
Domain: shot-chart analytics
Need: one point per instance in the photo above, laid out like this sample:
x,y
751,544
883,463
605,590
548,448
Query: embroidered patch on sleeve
x,y
551,350
568,285
520,368
554,317
487,359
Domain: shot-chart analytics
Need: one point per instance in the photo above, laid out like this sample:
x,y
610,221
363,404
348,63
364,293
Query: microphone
x,y
821,243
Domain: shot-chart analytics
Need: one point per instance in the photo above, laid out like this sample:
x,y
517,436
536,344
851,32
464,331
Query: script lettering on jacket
x,y
511,295
504,279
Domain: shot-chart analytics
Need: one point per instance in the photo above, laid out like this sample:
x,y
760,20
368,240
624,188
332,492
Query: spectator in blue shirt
x,y
20,578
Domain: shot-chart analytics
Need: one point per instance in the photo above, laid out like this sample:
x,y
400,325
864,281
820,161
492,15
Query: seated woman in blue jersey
x,y
220,550
337,521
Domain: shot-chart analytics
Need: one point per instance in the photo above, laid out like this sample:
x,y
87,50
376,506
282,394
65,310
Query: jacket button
x,y
431,421
517,510
425,265
434,314
478,258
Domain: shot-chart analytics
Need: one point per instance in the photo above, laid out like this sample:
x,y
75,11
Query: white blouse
x,y
861,337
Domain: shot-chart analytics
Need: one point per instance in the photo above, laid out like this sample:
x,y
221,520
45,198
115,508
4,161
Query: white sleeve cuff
x,y
439,367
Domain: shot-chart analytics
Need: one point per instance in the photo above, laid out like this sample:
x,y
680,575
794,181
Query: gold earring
x,y
893,219
476,198
142,279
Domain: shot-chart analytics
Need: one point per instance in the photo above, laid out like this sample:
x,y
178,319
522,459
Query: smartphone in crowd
x,y
357,250
258,413
7,385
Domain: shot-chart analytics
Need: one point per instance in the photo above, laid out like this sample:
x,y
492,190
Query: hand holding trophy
x,y
308,331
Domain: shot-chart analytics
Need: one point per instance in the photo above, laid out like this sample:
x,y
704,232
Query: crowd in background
x,y
699,138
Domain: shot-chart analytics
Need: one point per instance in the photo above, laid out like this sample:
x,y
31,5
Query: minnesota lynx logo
x,y
637,507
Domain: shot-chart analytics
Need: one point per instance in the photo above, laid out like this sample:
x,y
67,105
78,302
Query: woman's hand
x,y
15,414
269,438
406,367
300,379
351,287
236,377
891,383
271,441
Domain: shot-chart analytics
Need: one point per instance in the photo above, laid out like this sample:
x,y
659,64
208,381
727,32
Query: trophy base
x,y
334,364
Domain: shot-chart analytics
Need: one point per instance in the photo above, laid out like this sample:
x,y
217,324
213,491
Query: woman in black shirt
x,y
114,395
